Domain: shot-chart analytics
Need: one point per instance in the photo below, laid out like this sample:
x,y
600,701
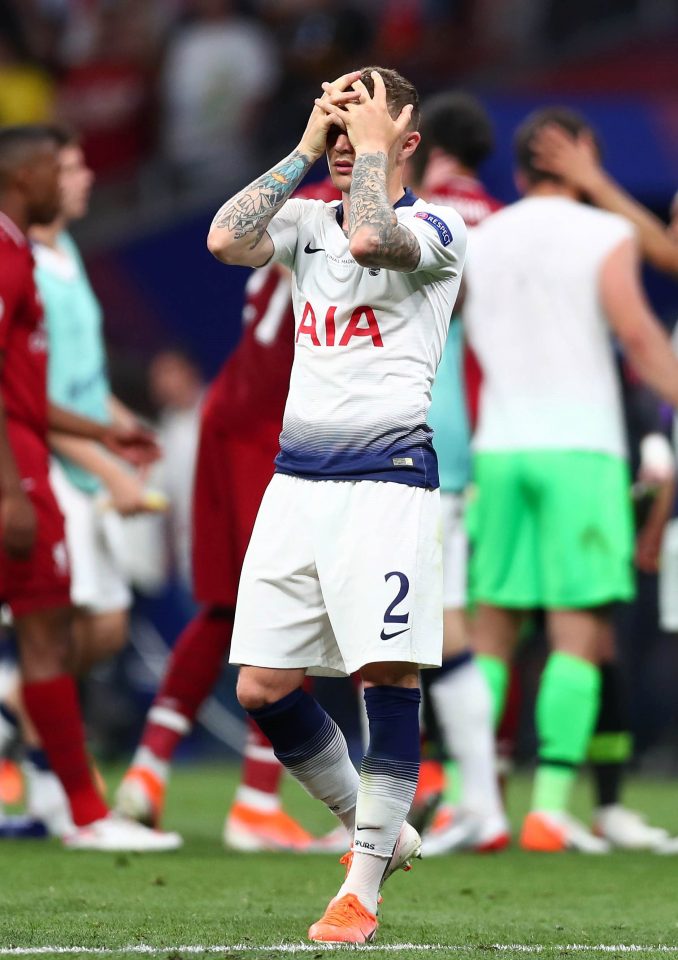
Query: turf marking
x,y
293,948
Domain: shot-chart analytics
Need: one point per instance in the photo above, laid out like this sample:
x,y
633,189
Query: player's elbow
x,y
365,248
633,339
217,246
221,246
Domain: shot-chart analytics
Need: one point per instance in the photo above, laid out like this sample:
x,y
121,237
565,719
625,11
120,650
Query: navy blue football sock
x,y
311,746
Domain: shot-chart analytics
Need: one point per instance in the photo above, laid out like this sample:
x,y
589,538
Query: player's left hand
x,y
369,126
574,159
133,443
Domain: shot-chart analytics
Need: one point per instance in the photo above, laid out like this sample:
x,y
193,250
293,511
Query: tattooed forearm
x,y
251,210
393,246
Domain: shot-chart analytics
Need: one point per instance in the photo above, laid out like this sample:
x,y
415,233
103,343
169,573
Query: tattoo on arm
x,y
251,210
397,247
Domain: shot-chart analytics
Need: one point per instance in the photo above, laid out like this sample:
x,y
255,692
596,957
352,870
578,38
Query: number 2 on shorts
x,y
389,615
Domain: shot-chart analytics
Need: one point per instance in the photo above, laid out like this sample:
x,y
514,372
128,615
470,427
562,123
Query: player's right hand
x,y
572,158
127,494
314,140
19,525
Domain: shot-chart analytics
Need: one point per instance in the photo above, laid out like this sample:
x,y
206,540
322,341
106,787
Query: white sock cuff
x,y
254,751
257,799
172,719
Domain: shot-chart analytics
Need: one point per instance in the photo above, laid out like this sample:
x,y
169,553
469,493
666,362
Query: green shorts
x,y
551,529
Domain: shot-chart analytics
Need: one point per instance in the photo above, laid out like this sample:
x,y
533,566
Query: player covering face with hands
x,y
343,571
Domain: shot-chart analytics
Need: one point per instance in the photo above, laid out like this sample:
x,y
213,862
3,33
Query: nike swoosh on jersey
x,y
390,636
309,249
368,828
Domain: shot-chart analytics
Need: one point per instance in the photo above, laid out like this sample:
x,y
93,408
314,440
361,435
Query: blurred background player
x,y
34,566
178,391
239,439
576,160
456,138
93,489
552,524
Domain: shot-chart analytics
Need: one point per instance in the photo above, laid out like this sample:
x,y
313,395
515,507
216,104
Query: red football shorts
x,y
232,472
41,582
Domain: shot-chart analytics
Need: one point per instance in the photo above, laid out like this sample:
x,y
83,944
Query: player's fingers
x,y
379,88
547,147
586,137
341,99
341,83
362,90
404,118
555,136
331,114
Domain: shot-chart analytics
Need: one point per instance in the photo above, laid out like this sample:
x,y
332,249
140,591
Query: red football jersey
x,y
23,338
466,194
252,385
469,198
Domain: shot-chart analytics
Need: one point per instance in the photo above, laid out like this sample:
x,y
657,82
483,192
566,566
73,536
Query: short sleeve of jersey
x,y
606,232
12,288
441,234
284,231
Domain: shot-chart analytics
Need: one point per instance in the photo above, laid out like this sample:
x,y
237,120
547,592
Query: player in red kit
x,y
34,571
240,427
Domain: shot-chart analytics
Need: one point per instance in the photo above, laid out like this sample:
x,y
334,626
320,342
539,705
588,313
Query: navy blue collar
x,y
408,199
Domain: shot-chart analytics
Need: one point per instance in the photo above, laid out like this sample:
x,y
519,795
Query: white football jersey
x,y
367,344
534,319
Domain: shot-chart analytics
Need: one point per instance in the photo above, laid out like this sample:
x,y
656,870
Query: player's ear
x,y
410,143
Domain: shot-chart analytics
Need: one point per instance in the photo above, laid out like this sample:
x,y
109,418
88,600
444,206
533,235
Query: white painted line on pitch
x,y
147,949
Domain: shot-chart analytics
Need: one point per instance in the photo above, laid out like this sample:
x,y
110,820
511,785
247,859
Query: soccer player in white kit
x,y
344,571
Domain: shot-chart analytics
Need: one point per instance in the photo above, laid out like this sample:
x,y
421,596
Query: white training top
x,y
535,321
367,345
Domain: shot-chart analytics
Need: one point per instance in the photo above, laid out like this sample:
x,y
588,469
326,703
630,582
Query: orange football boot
x,y
346,920
248,829
11,783
141,796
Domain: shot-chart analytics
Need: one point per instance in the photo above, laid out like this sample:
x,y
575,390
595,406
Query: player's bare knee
x,y
390,675
44,644
259,687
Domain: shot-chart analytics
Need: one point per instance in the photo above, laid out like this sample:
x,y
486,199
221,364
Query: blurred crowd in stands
x,y
187,91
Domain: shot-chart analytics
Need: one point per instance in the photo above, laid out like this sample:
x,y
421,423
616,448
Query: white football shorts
x,y
98,583
455,551
339,574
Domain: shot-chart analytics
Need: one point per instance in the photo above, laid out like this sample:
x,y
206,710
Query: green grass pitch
x,y
260,906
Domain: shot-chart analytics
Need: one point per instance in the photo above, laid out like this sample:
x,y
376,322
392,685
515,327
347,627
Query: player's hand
x,y
19,525
327,113
133,443
127,493
573,159
369,125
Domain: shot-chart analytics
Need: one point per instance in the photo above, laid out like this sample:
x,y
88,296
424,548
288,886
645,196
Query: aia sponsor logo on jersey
x,y
339,330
